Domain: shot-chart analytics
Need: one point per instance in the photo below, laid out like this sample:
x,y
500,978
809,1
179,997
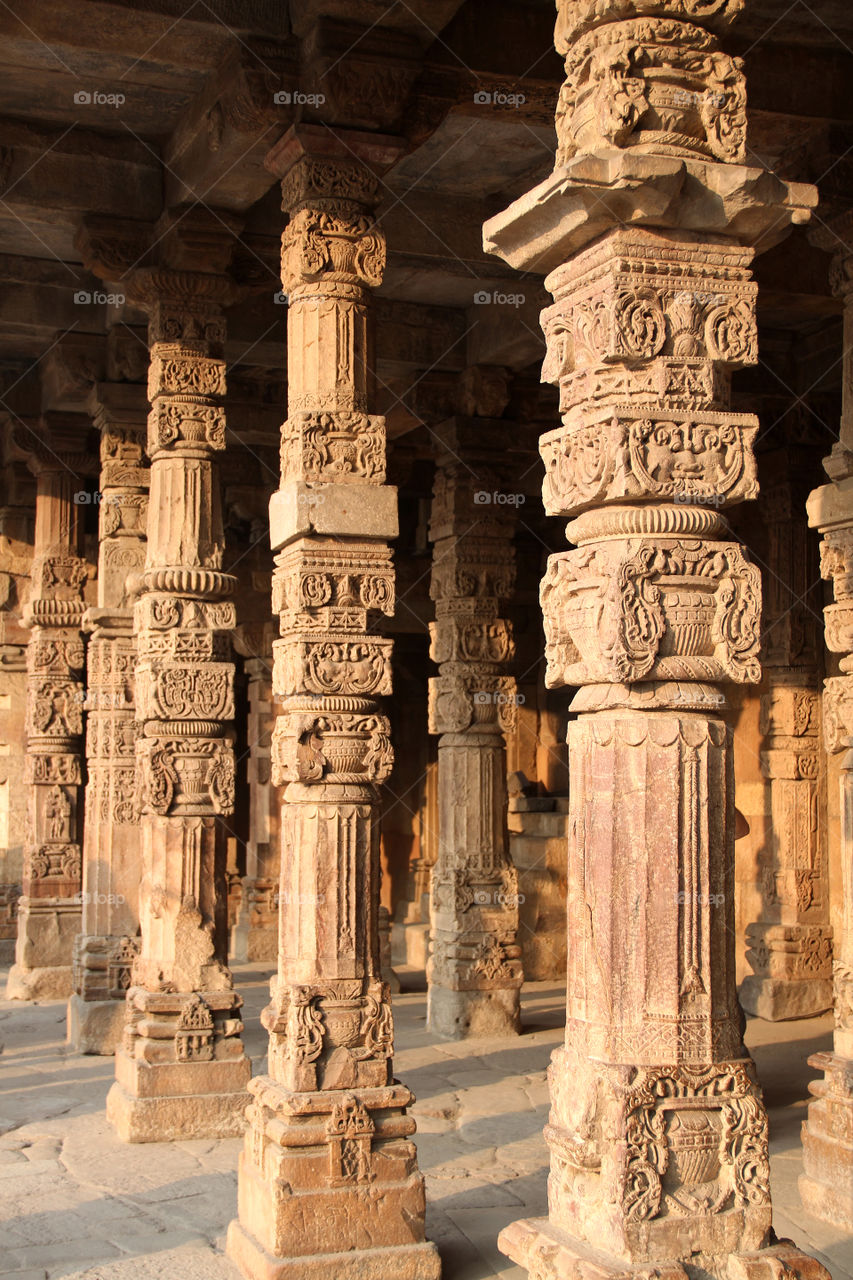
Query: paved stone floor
x,y
76,1202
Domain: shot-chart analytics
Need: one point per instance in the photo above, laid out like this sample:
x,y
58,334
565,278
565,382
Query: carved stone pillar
x,y
181,1069
112,867
328,1179
16,557
49,909
826,1186
791,942
657,1131
474,970
255,933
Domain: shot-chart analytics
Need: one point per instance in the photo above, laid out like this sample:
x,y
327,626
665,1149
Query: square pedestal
x,y
549,1254
169,1101
397,1262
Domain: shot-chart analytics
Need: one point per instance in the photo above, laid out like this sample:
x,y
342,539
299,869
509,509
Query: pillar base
x,y
328,1175
399,1262
550,1254
95,1026
53,982
169,1101
778,999
826,1186
468,1015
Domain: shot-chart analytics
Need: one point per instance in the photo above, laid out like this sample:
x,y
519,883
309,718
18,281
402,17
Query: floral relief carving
x,y
334,446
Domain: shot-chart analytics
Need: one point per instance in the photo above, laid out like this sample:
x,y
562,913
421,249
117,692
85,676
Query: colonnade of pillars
x,y
658,1133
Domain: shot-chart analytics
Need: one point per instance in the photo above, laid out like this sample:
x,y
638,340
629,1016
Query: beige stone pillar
x,y
474,970
826,1186
255,933
790,944
181,1070
16,558
49,909
329,1183
112,868
657,1131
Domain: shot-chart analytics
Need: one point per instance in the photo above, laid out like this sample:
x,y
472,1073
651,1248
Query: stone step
x,y
538,824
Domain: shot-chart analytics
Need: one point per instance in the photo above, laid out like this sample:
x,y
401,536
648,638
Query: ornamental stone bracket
x,y
329,1140
49,908
181,1069
826,1186
647,228
108,945
474,970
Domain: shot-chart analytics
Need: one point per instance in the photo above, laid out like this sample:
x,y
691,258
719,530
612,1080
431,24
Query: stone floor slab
x,y
77,1203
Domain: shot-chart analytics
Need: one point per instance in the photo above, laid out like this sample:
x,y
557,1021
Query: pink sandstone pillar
x,y
474,970
329,1183
826,1186
49,909
107,945
181,1070
657,1131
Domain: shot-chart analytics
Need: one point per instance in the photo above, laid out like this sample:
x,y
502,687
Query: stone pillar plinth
x,y
255,933
657,1131
826,1187
112,869
49,908
181,1070
474,970
329,1183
